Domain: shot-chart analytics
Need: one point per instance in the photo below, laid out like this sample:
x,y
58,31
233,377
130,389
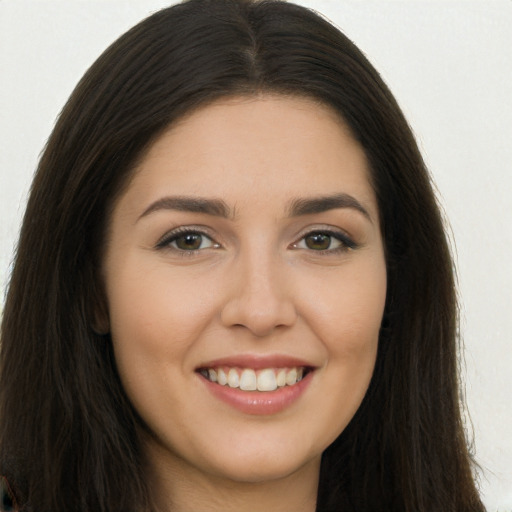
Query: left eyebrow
x,y
308,206
215,207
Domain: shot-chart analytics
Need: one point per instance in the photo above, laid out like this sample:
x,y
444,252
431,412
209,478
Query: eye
x,y
325,241
188,240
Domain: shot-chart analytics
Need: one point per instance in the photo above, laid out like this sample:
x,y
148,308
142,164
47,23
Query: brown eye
x,y
189,241
319,241
329,242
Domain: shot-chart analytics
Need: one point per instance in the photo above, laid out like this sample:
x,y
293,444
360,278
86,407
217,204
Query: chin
x,y
254,461
265,468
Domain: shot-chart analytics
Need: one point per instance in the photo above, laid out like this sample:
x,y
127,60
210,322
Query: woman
x,y
232,288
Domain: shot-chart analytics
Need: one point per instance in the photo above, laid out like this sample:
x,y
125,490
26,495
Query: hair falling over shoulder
x,y
68,434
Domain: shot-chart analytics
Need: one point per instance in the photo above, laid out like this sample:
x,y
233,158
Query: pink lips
x,y
258,402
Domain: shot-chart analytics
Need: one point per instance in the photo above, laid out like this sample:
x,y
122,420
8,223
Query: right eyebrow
x,y
215,207
312,205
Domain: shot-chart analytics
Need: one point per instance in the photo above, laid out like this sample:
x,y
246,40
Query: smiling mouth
x,y
247,379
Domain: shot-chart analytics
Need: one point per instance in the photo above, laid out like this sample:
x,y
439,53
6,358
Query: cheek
x,y
346,317
347,321
347,314
153,320
157,308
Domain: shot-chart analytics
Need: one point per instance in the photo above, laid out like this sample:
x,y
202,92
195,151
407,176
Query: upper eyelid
x,y
323,228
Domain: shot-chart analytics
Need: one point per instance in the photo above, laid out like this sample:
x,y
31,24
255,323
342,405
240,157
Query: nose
x,y
260,296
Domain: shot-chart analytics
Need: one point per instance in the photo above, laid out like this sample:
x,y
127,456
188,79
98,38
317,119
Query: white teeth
x,y
222,378
248,380
291,377
266,380
233,379
281,378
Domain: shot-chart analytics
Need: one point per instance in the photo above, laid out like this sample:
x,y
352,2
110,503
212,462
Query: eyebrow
x,y
308,206
215,207
218,208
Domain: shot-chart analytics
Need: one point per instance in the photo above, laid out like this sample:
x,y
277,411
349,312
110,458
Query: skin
x,y
254,286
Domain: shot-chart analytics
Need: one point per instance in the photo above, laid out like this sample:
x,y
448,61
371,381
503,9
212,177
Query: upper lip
x,y
257,362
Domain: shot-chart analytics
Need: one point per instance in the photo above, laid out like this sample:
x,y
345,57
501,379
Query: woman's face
x,y
247,249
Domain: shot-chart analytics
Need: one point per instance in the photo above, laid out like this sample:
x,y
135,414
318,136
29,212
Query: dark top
x,y
7,503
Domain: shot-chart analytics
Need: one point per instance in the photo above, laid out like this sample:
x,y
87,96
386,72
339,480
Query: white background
x,y
450,66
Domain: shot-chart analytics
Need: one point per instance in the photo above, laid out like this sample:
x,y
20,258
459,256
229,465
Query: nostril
x,y
260,317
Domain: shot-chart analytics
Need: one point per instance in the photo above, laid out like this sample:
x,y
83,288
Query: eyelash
x,y
346,243
169,238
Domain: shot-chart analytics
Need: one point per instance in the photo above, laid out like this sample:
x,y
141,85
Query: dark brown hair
x,y
68,434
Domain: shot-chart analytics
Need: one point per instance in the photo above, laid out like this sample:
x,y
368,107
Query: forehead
x,y
259,148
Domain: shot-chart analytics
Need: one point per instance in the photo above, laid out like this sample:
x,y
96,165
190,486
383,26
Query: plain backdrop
x,y
450,66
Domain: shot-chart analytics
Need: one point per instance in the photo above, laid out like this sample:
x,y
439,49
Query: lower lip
x,y
259,402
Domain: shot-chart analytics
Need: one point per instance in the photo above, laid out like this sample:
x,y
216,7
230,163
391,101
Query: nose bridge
x,y
260,297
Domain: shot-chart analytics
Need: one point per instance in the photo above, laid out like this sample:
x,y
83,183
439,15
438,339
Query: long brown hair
x,y
68,434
